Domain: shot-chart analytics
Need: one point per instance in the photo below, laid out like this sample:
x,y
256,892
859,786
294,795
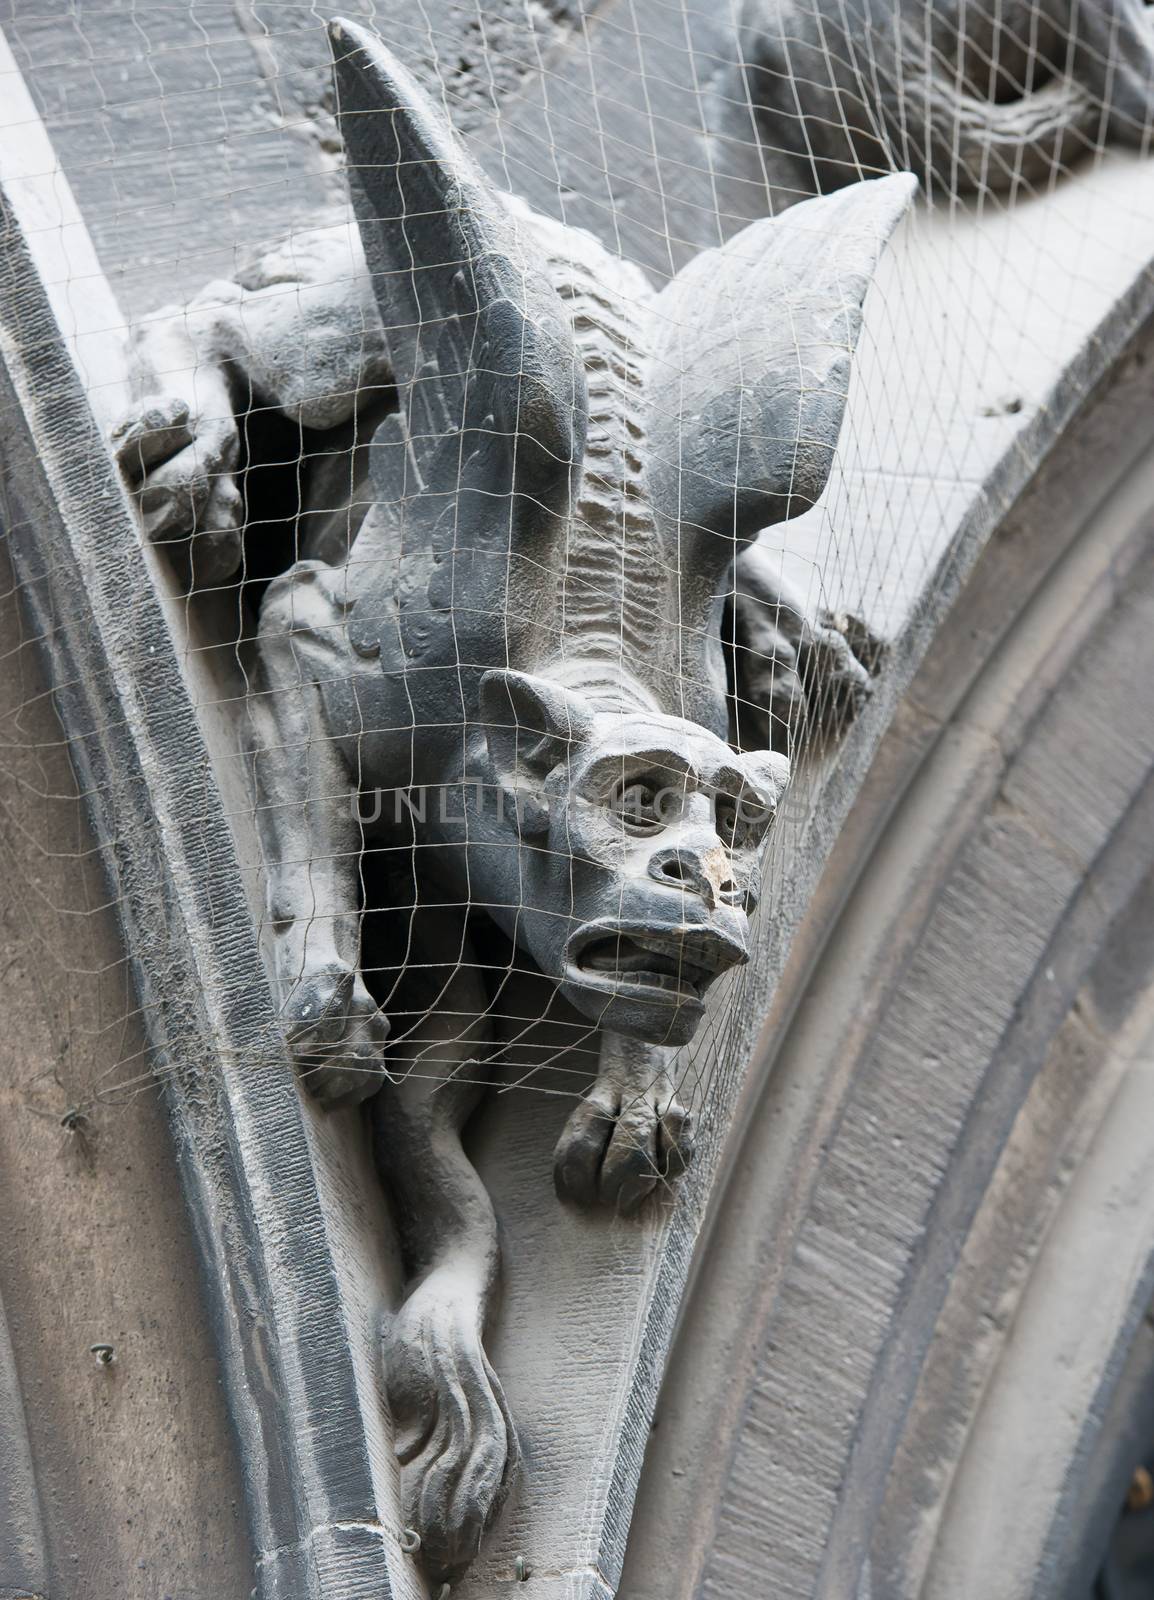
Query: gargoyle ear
x,y
530,725
769,771
752,346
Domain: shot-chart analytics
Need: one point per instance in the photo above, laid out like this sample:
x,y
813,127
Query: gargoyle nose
x,y
694,872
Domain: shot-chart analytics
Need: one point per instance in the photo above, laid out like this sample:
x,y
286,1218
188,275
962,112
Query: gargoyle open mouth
x,y
679,962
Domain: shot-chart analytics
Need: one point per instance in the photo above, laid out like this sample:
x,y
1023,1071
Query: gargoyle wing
x,y
747,386
492,393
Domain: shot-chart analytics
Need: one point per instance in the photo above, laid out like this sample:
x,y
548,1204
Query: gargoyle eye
x,y
638,803
742,821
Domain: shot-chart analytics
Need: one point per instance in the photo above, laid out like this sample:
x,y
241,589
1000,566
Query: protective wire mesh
x,y
201,142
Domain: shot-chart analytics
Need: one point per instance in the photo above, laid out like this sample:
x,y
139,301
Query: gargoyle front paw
x,y
453,1435
337,1035
180,470
618,1146
797,669
839,658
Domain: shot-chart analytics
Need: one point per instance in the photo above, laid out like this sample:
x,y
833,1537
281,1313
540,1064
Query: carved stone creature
x,y
967,94
511,599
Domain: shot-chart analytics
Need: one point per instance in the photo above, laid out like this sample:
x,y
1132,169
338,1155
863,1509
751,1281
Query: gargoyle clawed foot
x,y
628,1136
797,669
454,1436
337,1034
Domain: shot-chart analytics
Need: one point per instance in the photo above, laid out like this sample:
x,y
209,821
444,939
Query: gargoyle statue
x,y
511,597
968,94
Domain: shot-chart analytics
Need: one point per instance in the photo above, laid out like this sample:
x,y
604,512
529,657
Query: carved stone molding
x,y
101,609
23,1558
997,1030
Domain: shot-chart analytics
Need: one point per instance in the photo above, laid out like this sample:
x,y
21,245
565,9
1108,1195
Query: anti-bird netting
x,y
202,147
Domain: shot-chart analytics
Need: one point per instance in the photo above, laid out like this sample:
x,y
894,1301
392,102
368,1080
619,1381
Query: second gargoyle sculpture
x,y
970,95
541,485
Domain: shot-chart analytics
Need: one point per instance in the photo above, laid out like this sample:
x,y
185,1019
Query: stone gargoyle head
x,y
638,843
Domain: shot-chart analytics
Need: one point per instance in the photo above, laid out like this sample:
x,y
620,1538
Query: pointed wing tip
x,y
894,193
371,76
342,32
865,213
905,183
347,39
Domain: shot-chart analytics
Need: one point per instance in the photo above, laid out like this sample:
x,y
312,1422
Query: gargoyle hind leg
x,y
311,838
453,1433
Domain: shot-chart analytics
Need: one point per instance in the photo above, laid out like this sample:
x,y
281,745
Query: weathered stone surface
x,y
135,1462
471,58
192,134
